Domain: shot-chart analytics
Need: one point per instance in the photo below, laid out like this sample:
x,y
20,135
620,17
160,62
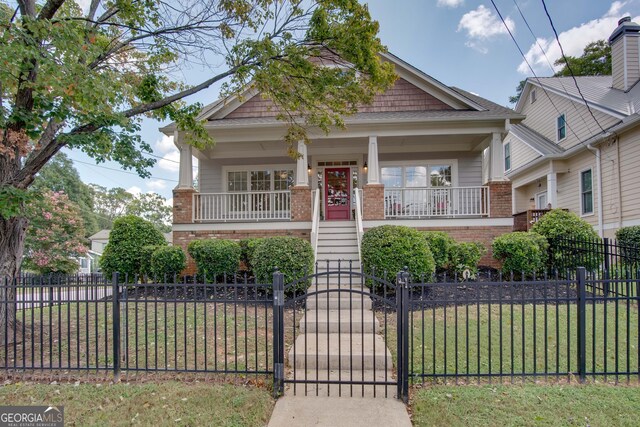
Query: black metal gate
x,y
339,332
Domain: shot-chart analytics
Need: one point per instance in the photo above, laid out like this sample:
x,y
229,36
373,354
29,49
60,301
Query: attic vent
x,y
533,96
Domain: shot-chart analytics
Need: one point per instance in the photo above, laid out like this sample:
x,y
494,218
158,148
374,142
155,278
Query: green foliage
x,y
247,247
521,252
123,252
55,236
292,256
440,244
215,257
514,99
595,61
559,224
629,239
167,262
145,259
466,256
390,248
153,208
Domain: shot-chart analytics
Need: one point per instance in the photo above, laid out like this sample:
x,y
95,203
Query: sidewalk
x,y
301,411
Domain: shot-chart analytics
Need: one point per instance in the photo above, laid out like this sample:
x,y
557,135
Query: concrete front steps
x,y
339,321
337,244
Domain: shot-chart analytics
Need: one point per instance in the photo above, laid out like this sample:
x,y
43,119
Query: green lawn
x,y
528,339
182,336
526,405
169,403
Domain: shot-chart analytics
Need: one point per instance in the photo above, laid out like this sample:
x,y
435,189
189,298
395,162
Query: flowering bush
x,y
55,236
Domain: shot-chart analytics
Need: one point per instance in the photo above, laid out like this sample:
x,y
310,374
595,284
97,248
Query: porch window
x,y
259,180
561,127
417,176
586,192
440,176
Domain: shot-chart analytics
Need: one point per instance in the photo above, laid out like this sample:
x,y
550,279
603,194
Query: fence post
x,y
116,328
402,306
278,333
607,265
582,322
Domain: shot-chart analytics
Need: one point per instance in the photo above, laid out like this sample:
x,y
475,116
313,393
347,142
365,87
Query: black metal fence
x,y
563,326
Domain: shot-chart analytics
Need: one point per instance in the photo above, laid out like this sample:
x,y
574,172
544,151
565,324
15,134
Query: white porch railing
x,y
436,202
315,223
245,206
359,228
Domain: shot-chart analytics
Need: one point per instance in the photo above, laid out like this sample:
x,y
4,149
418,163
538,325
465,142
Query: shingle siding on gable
x,y
542,117
403,96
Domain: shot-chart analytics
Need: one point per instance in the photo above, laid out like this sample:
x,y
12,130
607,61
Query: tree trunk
x,y
12,234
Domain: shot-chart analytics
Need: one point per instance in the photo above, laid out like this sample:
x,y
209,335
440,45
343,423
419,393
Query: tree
x,y
55,236
595,61
83,79
59,175
153,208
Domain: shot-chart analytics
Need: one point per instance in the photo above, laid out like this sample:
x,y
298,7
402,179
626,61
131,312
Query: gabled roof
x,y
596,90
461,104
101,235
533,139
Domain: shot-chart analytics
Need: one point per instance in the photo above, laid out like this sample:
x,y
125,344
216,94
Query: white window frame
x,y
425,163
532,96
546,196
248,169
593,205
504,151
558,128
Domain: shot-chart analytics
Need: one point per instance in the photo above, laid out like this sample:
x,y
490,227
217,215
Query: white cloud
x,y
156,184
450,3
135,190
170,161
169,202
165,144
481,26
573,40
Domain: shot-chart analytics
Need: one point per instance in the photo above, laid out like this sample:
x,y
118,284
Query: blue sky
x,y
459,42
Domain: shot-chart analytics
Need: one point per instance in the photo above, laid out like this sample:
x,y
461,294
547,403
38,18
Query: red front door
x,y
337,193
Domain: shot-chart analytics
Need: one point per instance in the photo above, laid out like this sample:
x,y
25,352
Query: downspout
x,y
596,151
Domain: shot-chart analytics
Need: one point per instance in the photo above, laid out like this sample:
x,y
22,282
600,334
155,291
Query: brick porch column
x,y
500,199
373,202
301,203
183,205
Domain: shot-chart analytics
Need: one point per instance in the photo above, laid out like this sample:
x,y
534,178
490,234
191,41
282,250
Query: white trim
x,y
546,196
256,168
444,223
230,226
426,163
504,155
533,96
526,143
582,214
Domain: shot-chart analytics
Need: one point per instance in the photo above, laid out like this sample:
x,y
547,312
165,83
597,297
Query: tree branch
x,y
50,9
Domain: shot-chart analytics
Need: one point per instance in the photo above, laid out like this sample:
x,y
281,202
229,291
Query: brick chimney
x,y
625,54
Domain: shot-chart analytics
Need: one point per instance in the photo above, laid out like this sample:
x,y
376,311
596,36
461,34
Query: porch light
x,y
309,169
365,168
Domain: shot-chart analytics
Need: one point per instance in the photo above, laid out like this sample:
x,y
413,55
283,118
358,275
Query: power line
x,y
575,81
121,171
160,157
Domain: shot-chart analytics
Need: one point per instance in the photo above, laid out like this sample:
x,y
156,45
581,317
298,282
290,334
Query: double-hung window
x,y
561,127
507,156
586,192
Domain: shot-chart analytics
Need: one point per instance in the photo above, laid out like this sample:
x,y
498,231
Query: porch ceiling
x,y
342,145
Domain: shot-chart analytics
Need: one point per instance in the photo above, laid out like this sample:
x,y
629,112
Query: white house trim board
x,y
244,226
526,143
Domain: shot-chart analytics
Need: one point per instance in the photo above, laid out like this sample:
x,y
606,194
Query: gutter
x,y
596,151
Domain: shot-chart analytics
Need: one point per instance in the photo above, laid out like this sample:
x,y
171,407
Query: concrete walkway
x,y
299,411
340,339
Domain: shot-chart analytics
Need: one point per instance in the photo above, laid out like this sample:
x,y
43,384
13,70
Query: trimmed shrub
x,y
123,252
247,247
145,259
521,252
629,239
167,262
465,256
215,257
557,224
389,248
292,255
440,244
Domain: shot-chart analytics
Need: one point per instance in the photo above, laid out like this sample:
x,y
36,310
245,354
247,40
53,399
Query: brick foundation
x,y
500,199
183,206
301,203
182,239
373,202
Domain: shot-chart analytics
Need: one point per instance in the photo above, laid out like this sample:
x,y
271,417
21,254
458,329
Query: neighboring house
x,y
423,154
101,238
565,155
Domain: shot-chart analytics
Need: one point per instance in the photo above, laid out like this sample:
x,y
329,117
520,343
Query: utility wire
x,y
160,157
